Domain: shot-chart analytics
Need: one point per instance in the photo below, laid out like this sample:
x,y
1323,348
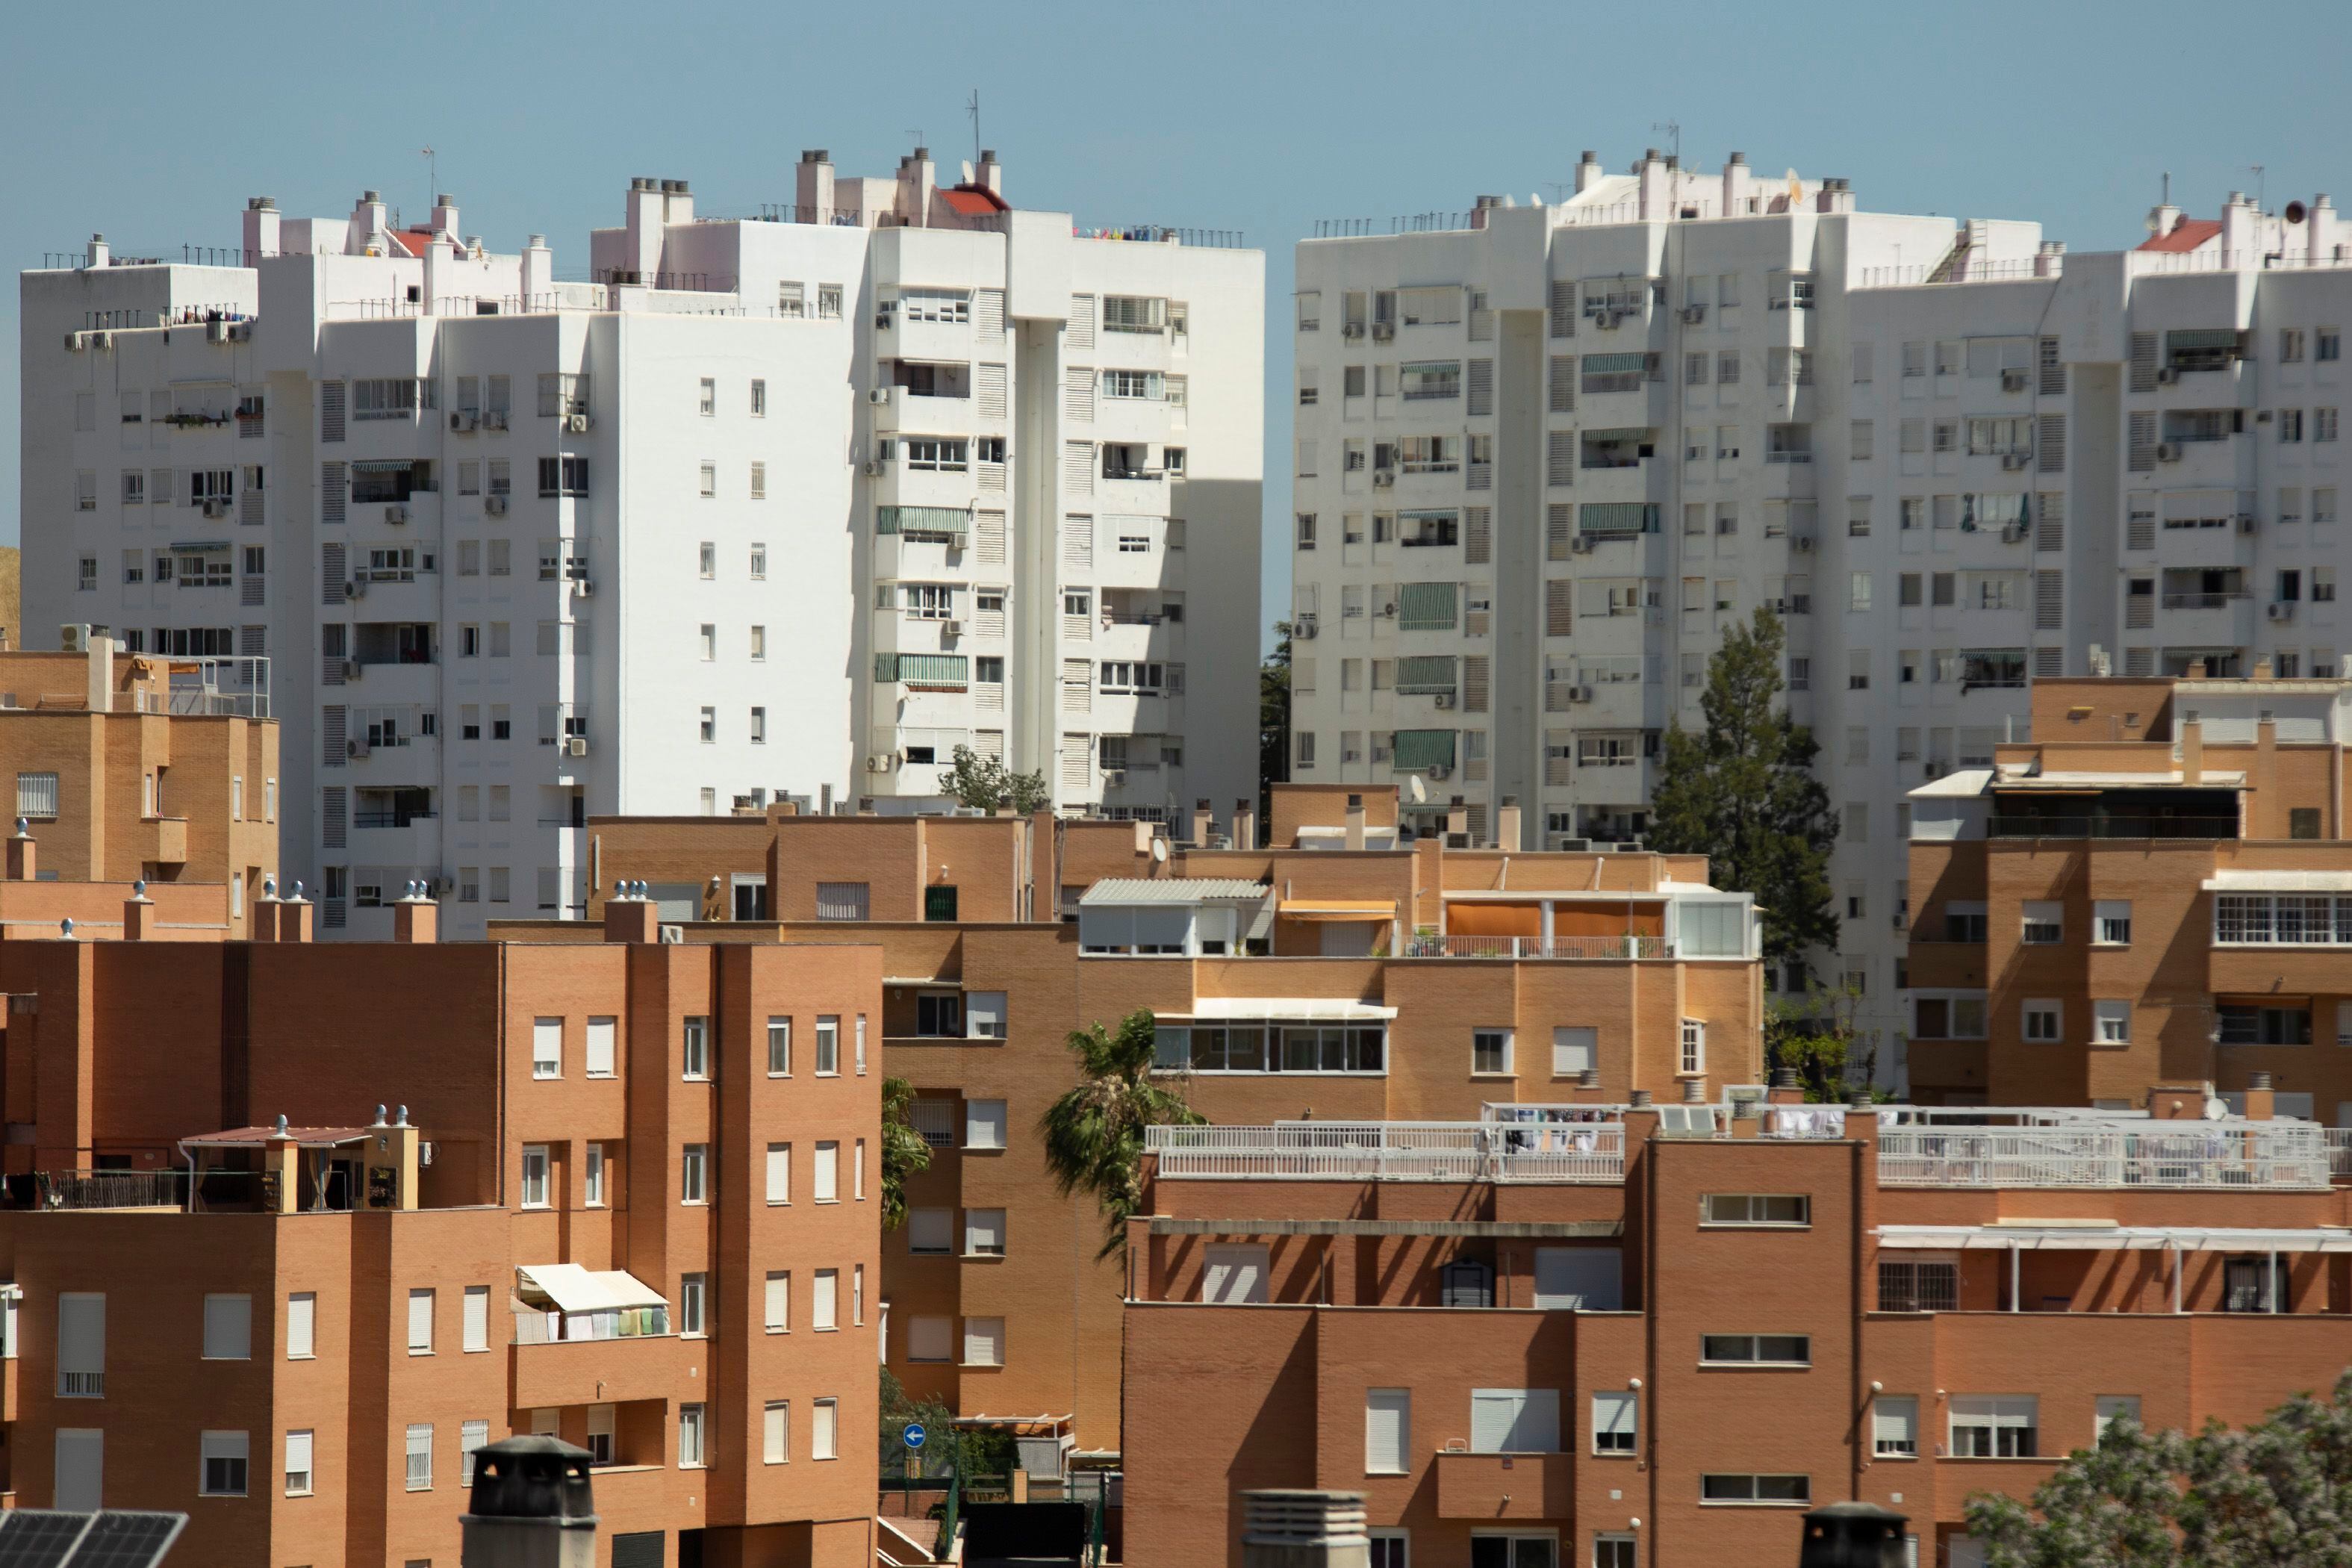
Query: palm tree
x,y
1094,1134
904,1150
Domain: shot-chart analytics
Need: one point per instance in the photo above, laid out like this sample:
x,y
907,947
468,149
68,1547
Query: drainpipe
x,y
2176,1279
2013,1272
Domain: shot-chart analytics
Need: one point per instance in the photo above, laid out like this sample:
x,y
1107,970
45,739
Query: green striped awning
x,y
1443,514
1424,674
1617,516
1420,748
922,669
1432,367
1638,435
951,520
1607,364
2201,338
1425,606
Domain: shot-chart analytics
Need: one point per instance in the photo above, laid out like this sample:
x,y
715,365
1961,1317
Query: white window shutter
x,y
1082,321
228,1328
477,1316
989,388
1078,468
1078,390
1388,1430
600,1032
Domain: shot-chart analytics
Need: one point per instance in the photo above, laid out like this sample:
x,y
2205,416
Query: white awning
x,y
2279,882
576,1289
1285,1009
2061,1237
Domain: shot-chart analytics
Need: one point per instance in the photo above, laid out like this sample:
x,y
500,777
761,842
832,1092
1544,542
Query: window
x,y
984,1015
1388,1431
778,1301
780,1173
2044,922
689,1437
1894,1426
2110,1408
693,1300
708,727
224,1458
2111,1023
825,1174
1615,1419
561,476
828,1026
1616,1551
776,1432
822,1314
534,1175
298,1464
591,1185
2043,1022
694,1049
1759,1349
547,1047
1756,1208
1515,1421
983,1341
840,901
2111,922
478,1318
301,1325
476,1435
779,1048
37,794
420,1457
694,1175
983,1233
1761,1490
1994,1426
984,1124
420,1322
228,1328
2253,1284
1574,1050
1490,1051
930,1231
822,1438
1694,1048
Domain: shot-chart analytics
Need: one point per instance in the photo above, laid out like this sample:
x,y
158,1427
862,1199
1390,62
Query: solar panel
x,y
121,1539
111,1538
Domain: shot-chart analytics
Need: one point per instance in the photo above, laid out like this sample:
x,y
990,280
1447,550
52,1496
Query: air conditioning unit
x,y
1383,478
102,341
240,331
1444,700
1932,770
583,587
494,506
880,762
463,420
1303,629
496,419
355,748
879,395
1388,612
576,424
875,467
352,668
1580,694
1114,775
2166,375
74,637
1581,544
1438,771
1693,314
951,628
215,332
2166,452
575,746
2013,461
2248,523
395,512
217,506
2012,380
77,342
1383,330
356,588
1803,544
1352,330
2011,533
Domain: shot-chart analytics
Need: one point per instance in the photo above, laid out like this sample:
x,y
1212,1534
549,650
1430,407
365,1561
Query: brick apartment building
x,y
1529,1347
627,1193
1343,973
2157,888
137,769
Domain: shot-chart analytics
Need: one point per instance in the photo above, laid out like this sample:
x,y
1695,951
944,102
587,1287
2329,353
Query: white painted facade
x,y
523,551
1545,459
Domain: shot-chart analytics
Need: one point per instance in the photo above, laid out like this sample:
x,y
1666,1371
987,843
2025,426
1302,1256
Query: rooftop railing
x,y
2198,1155
1392,1152
2122,825
1586,947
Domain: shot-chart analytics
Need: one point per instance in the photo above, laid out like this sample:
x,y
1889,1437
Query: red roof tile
x,y
974,201
2188,234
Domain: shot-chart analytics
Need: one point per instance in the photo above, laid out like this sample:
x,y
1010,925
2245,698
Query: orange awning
x,y
1336,908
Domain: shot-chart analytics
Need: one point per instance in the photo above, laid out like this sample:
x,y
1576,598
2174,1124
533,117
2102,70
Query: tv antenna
x,y
1673,130
973,109
2260,205
432,171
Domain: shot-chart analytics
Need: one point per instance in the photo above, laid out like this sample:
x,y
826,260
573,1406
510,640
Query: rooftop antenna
x,y
1674,132
432,174
2260,204
1559,189
2168,188
973,109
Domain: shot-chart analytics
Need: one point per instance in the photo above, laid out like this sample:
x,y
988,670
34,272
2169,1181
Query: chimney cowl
x,y
371,195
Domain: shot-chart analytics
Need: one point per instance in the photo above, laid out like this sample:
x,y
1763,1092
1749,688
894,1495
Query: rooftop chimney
x,y
138,913
263,227
21,855
1588,170
1204,825
812,187
99,693
630,916
532,1506
1735,185
1302,1529
1355,822
2192,752
1244,823
416,918
1507,824
992,173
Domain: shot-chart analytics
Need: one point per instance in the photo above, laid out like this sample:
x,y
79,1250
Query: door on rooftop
x,y
1347,939
1235,1275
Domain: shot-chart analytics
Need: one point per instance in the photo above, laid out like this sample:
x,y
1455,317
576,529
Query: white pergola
x,y
2179,1240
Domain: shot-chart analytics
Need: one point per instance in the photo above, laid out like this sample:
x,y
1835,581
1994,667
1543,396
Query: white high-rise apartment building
x,y
775,507
1546,457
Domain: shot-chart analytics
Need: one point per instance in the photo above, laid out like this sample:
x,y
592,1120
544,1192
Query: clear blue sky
x,y
153,122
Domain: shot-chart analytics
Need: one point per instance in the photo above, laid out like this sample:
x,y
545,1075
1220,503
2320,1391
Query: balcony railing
x,y
1587,947
2203,601
391,818
2188,1155
1393,1151
2338,1141
2129,826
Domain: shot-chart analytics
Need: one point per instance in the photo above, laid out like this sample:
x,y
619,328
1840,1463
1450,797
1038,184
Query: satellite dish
x,y
1414,787
2294,211
1160,850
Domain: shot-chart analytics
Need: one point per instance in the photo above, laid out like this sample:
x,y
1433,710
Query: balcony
x,y
2111,825
1393,1151
167,843
2154,1155
1589,948
1490,1486
600,1371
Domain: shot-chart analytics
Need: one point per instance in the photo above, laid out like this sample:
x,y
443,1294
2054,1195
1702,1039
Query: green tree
x,y
1816,1032
1742,793
1273,724
1094,1132
2274,1495
982,784
904,1152
976,1451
